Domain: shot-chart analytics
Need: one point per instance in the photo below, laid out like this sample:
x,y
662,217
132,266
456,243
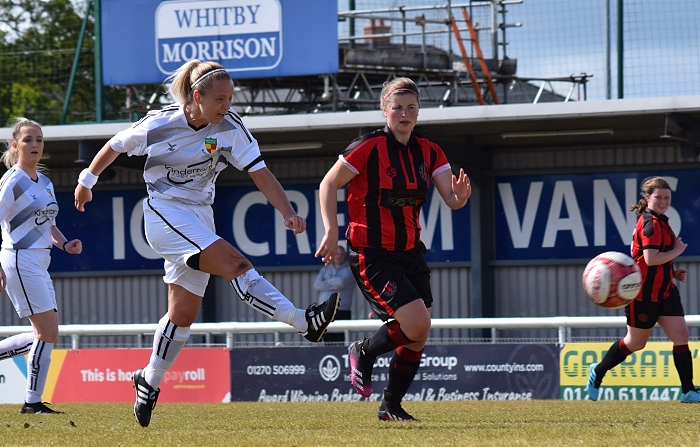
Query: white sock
x,y
16,345
299,322
262,296
38,363
168,341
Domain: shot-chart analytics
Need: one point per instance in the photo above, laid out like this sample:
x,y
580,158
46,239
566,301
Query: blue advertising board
x,y
111,229
579,216
446,372
261,39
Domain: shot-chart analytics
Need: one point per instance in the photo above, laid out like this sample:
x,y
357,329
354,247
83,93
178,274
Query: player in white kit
x,y
187,145
28,210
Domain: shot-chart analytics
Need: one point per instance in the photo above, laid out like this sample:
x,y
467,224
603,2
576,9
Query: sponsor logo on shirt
x,y
181,175
47,214
402,197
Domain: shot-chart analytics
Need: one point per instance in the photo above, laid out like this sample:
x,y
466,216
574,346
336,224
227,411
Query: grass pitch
x,y
475,423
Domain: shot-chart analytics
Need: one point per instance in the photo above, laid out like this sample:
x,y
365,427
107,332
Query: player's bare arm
x,y
268,184
337,177
102,160
656,257
454,190
74,246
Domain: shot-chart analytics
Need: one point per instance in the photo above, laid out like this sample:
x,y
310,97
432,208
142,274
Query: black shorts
x,y
644,314
389,280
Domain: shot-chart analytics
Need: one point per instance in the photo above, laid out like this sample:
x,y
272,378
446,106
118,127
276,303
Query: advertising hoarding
x,y
648,374
111,229
456,372
579,216
261,39
106,375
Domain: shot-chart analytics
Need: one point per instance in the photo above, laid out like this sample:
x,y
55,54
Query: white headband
x,y
204,76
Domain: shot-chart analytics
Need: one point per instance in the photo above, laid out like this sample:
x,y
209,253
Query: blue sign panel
x,y
113,237
446,372
111,229
245,218
265,38
580,216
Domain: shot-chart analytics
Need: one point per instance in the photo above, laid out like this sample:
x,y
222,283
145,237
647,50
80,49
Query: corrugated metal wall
x,y
586,159
450,291
143,299
103,300
548,291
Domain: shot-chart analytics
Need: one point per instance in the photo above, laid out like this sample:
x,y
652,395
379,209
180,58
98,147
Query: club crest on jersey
x,y
50,193
210,147
423,172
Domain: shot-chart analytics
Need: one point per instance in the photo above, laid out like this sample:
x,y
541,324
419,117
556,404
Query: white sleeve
x,y
245,153
53,194
131,141
6,201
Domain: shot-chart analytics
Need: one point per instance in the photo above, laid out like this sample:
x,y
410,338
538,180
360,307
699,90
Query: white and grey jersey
x,y
182,164
28,210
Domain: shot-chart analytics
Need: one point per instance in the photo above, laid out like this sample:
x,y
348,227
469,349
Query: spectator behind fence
x,y
337,277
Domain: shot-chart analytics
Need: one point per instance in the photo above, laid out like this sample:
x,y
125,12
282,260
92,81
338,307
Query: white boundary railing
x,y
562,324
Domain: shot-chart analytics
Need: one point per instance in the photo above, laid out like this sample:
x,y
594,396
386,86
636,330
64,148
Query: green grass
x,y
476,423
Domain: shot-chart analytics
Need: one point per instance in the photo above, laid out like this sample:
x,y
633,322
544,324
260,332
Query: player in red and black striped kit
x,y
654,246
388,173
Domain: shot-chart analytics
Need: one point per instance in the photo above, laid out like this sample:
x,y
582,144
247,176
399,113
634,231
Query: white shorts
x,y
29,285
176,232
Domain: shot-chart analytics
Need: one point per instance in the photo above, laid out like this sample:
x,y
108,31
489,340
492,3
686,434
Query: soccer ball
x,y
612,279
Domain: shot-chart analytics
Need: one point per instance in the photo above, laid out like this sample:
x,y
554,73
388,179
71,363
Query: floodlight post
x,y
74,68
99,89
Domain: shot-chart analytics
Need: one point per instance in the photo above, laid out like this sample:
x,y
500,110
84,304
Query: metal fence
x,y
563,325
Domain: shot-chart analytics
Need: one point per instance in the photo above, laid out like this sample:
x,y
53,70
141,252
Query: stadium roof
x,y
492,126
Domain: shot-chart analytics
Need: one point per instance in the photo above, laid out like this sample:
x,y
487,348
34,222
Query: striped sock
x,y
38,363
16,345
402,369
168,341
258,293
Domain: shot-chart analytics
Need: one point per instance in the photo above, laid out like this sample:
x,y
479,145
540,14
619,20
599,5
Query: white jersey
x,y
182,163
28,210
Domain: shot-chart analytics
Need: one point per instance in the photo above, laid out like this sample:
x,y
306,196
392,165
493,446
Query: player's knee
x,y
183,313
48,335
635,346
417,330
224,260
234,262
183,317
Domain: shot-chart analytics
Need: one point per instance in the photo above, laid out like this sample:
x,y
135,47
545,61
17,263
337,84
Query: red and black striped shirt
x,y
389,188
653,232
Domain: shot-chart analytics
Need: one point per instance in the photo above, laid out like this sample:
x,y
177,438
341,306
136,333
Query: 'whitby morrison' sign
x,y
251,39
